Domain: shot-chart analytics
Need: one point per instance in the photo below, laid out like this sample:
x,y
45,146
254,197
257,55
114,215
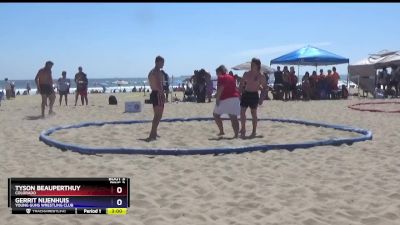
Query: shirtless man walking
x,y
44,83
249,86
157,97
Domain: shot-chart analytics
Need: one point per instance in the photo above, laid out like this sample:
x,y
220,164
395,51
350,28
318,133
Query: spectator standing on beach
x,y
278,76
166,84
28,87
157,97
251,83
195,83
202,86
395,78
81,86
329,84
278,82
293,82
314,85
7,87
227,100
382,79
286,82
12,89
63,87
44,84
209,86
265,74
306,87
335,79
322,84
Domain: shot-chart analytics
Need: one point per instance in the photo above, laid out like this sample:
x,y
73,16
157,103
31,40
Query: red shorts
x,y
82,92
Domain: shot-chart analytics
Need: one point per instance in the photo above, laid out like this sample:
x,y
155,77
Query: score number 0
x,y
119,191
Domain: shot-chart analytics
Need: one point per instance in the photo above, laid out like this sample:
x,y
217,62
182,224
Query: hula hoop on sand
x,y
44,136
374,110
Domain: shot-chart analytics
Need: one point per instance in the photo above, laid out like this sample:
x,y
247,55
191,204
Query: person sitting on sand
x,y
176,99
44,84
345,92
188,94
249,86
227,100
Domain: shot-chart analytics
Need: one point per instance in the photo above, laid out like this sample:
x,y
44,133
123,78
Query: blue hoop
x,y
44,137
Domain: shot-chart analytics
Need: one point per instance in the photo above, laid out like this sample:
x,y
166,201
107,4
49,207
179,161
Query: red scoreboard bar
x,y
69,195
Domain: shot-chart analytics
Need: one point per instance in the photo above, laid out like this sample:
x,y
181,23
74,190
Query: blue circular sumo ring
x,y
45,137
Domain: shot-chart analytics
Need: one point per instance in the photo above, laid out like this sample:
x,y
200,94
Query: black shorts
x,y
63,92
249,99
286,86
46,89
157,98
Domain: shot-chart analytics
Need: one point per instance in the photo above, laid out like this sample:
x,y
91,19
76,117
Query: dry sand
x,y
358,184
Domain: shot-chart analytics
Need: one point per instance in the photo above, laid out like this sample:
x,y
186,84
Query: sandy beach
x,y
352,185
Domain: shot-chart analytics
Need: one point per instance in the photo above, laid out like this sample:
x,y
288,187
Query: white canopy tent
x,y
388,61
364,73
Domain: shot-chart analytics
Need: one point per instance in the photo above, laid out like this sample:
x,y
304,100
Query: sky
x,y
122,39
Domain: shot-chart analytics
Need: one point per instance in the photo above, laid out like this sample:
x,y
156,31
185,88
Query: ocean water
x,y
97,84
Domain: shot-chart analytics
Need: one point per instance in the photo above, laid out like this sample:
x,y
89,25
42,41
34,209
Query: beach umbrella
x,y
247,66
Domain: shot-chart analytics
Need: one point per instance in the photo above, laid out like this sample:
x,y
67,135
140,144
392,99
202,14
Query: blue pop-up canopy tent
x,y
310,56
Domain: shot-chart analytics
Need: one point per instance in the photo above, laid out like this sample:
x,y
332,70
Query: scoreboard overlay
x,y
69,195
